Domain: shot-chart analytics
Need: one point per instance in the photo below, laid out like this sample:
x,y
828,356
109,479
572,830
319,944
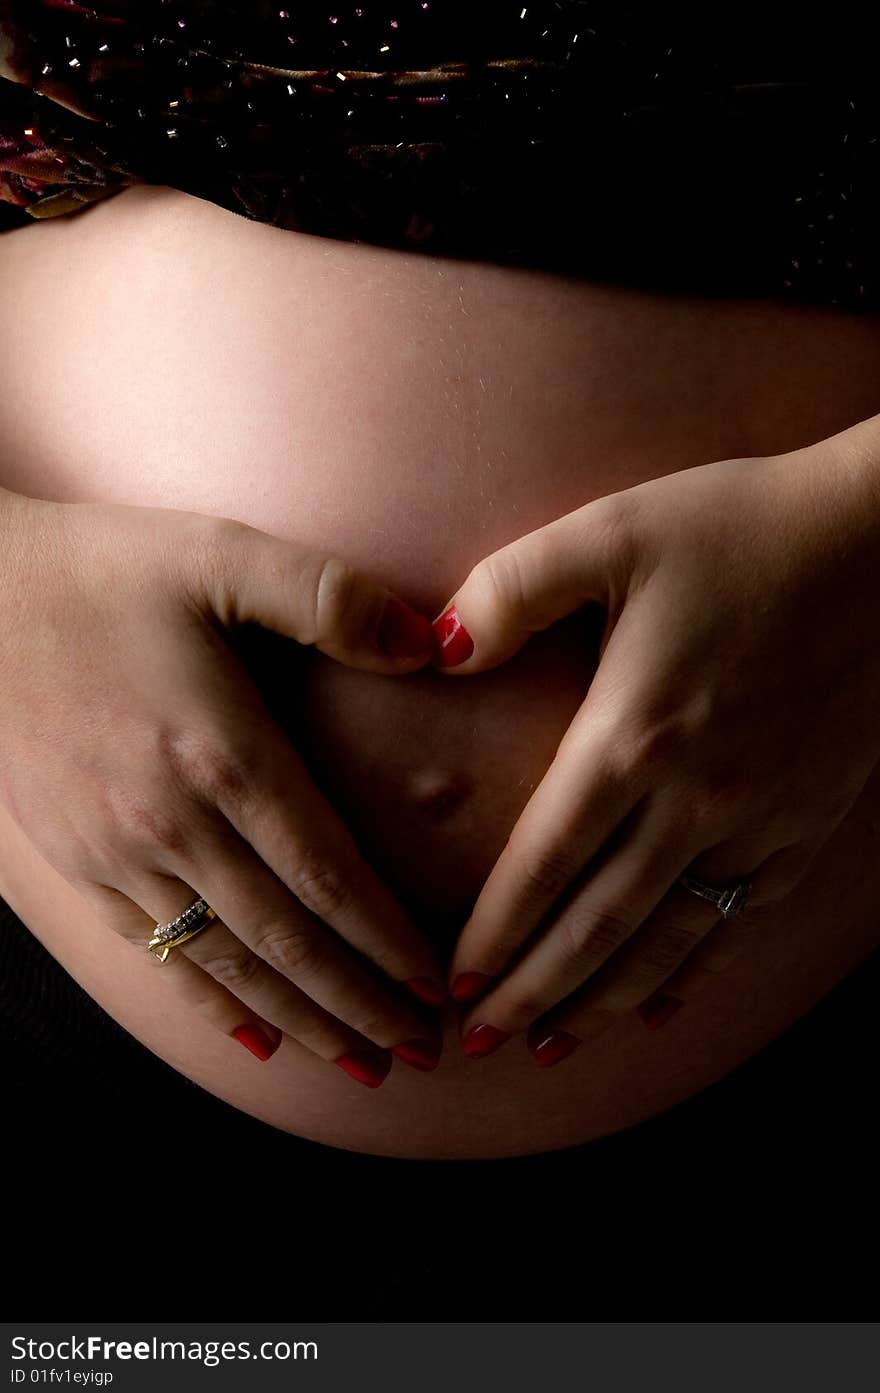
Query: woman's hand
x,y
141,761
730,726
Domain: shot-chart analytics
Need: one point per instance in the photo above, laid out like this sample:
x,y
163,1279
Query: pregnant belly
x,y
410,415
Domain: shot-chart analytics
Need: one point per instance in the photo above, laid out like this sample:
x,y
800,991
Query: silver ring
x,y
194,918
729,899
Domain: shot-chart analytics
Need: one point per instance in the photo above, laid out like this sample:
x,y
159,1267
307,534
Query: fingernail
x,y
367,1066
453,643
553,1048
427,990
483,1040
403,632
658,1009
256,1040
421,1054
469,985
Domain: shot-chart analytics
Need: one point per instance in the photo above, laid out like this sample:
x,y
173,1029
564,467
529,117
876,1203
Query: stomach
x,y
412,414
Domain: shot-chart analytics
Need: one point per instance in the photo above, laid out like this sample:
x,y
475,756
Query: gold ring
x,y
194,918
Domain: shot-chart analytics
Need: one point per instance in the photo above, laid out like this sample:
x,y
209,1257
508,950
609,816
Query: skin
x,y
728,738
163,790
388,411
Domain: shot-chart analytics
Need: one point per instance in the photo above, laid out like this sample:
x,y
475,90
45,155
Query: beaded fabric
x,y
677,145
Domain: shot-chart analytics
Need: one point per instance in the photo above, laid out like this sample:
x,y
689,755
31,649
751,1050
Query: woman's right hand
x,y
141,761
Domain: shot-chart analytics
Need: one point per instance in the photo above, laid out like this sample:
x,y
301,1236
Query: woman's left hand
x,y
730,726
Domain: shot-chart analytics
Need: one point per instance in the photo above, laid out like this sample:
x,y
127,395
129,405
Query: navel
x,y
436,792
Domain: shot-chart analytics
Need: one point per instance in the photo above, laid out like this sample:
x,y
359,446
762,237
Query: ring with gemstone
x,y
729,899
194,918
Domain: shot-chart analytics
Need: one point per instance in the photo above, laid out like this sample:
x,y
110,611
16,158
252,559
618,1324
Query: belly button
x,y
437,792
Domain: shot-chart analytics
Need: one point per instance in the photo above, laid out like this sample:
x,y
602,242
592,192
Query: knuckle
x,y
715,963
705,806
226,777
292,951
545,873
594,933
321,889
149,827
654,746
376,1027
217,772
617,516
618,760
619,997
724,793
613,526
219,533
770,892
520,1010
498,583
236,969
664,741
666,953
837,804
213,548
335,592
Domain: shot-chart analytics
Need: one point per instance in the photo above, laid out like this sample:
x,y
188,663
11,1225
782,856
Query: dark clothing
x,y
672,145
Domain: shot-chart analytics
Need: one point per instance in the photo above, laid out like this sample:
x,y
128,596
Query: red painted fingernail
x,y
403,632
483,1040
658,1009
454,644
428,991
367,1066
469,985
553,1048
421,1054
256,1040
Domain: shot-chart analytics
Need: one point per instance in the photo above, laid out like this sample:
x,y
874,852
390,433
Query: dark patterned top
x,y
665,144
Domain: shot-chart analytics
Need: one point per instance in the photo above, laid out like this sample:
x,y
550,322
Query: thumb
x,y
530,584
316,599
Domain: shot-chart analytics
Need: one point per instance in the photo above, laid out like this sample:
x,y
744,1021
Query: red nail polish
x,y
367,1066
421,1054
403,632
427,990
658,1009
483,1040
469,985
256,1040
453,643
553,1048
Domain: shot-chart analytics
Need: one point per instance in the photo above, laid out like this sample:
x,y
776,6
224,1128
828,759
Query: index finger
x,y
601,772
573,812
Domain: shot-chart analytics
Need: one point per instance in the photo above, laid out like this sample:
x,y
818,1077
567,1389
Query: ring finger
x,y
682,944
272,945
201,992
219,958
630,979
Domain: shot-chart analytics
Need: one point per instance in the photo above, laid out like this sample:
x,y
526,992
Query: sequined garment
x,y
665,144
